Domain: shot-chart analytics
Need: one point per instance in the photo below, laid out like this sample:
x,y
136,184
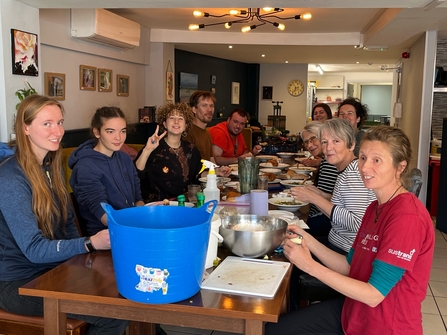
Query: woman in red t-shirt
x,y
384,277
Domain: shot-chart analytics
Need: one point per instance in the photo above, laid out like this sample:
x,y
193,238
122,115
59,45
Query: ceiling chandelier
x,y
248,16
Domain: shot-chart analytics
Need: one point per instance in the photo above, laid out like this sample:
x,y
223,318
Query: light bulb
x,y
306,16
193,27
197,13
280,26
267,9
235,12
245,29
228,25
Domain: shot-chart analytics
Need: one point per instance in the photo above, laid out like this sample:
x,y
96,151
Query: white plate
x,y
233,184
269,165
303,169
278,214
291,205
219,179
275,181
295,182
265,158
286,154
171,203
269,170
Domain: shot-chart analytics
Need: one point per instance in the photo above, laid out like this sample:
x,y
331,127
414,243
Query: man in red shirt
x,y
228,142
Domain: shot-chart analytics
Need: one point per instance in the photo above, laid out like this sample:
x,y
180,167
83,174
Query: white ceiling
x,y
327,39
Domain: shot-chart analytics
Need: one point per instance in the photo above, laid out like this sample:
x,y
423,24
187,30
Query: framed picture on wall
x,y
235,93
104,80
24,53
55,85
122,85
87,78
188,84
267,92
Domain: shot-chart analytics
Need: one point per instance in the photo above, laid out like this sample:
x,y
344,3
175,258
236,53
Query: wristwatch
x,y
89,244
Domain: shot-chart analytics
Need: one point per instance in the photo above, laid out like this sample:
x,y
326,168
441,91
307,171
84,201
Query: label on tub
x,y
152,279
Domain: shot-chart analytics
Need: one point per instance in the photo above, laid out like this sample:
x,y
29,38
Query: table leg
x,y
254,327
55,322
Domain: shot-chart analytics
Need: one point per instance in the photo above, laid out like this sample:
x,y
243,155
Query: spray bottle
x,y
211,190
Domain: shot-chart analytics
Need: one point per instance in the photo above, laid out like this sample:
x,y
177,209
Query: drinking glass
x,y
192,192
248,170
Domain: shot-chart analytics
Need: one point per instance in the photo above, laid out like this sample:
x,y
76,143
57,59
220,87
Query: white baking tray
x,y
247,277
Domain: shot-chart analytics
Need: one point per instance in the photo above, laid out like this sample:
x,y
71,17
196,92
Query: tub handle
x,y
219,237
206,206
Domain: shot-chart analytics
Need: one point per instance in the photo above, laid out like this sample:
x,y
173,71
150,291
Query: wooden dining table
x,y
85,285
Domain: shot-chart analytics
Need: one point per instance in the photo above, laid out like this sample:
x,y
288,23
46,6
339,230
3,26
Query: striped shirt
x,y
350,198
326,177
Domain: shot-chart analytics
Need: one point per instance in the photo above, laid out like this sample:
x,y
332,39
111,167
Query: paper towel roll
x,y
259,204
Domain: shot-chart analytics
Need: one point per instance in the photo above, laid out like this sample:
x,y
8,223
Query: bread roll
x,y
274,162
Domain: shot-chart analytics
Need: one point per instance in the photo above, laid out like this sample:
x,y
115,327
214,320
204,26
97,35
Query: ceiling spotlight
x,y
370,63
230,47
257,16
286,62
262,55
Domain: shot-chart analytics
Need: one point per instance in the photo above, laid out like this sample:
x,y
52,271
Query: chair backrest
x,y
415,177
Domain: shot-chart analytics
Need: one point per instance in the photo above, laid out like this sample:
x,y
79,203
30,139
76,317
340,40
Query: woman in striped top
x,y
325,179
350,197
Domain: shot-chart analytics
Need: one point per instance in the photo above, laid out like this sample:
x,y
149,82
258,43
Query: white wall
x,y
294,108
17,16
61,53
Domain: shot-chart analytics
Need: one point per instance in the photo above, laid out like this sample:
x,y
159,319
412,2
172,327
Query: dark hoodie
x,y
98,178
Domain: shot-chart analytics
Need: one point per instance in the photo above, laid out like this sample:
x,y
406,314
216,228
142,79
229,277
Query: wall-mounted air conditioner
x,y
104,27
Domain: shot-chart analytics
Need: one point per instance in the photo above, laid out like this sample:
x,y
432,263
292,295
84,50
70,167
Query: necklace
x,y
175,150
380,211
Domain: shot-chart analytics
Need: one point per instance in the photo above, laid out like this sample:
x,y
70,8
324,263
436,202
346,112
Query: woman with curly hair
x,y
168,163
355,112
321,112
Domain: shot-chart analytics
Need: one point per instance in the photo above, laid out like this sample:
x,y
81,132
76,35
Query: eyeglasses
x,y
310,140
346,113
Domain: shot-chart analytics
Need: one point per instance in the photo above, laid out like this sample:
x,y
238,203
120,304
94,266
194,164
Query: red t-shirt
x,y
232,147
404,237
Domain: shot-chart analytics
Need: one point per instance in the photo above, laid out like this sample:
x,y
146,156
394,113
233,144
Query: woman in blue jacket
x,y
101,172
37,227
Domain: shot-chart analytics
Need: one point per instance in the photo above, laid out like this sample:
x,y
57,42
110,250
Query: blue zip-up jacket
x,y
24,250
98,178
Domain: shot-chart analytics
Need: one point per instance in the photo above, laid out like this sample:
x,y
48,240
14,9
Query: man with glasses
x,y
228,142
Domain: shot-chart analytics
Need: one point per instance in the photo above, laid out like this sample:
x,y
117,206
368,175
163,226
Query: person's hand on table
x,y
256,149
303,193
101,240
297,254
223,171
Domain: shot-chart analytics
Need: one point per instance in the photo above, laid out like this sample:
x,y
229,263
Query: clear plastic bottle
x,y
211,191
181,200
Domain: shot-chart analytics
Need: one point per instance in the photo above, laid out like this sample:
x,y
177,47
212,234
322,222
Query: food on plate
x,y
288,202
232,194
273,162
292,175
270,176
247,227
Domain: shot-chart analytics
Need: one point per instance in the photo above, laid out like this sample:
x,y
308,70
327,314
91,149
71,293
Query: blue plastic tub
x,y
159,252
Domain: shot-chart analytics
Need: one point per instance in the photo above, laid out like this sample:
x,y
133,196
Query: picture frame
x,y
235,87
213,90
87,78
55,85
24,53
188,85
213,79
122,85
267,92
105,80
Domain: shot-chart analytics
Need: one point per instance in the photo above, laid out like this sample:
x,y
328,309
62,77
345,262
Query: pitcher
x,y
248,170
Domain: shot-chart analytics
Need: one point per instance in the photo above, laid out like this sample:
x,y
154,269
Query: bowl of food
x,y
302,169
270,170
278,166
286,154
295,182
252,235
287,203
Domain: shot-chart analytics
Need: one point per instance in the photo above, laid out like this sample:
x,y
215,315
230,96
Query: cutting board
x,y
247,276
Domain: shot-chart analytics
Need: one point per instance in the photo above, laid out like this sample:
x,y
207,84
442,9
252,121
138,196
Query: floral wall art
x,y
24,53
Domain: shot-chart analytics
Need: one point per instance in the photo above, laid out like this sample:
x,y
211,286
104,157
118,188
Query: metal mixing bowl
x,y
252,235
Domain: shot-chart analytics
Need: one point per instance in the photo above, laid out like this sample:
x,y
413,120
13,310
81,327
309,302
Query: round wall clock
x,y
295,87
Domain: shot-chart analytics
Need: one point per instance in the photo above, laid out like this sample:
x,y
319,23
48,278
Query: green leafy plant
x,y
24,92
